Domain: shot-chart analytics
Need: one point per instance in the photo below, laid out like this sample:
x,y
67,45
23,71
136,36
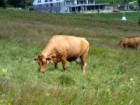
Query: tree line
x,y
15,3
139,3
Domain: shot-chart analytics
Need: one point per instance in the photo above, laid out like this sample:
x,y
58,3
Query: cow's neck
x,y
47,52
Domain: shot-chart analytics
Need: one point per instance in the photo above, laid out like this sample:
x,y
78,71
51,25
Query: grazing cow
x,y
62,48
131,42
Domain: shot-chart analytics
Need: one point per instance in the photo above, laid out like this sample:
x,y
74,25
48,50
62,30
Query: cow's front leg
x,y
55,66
64,63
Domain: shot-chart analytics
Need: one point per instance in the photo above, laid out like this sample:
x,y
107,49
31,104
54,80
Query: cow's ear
x,y
36,58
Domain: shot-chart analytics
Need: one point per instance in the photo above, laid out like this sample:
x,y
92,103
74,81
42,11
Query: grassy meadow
x,y
112,76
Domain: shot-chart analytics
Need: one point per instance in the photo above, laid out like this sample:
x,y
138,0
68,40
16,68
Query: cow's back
x,y
77,46
137,39
70,46
132,41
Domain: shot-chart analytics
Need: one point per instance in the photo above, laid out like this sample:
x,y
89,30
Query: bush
x,y
139,22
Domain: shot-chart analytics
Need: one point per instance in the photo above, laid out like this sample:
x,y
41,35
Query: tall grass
x,y
112,75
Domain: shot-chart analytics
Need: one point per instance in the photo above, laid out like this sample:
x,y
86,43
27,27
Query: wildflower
x,y
4,70
108,90
47,94
131,79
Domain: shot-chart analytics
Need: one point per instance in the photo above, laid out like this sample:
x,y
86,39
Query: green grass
x,y
112,75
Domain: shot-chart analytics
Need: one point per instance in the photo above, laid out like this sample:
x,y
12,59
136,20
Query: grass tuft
x,y
66,80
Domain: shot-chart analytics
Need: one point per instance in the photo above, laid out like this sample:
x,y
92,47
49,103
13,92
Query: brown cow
x,y
132,42
62,48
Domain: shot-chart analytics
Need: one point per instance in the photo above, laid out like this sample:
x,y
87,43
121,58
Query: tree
x,y
15,3
139,22
29,2
139,3
3,3
20,3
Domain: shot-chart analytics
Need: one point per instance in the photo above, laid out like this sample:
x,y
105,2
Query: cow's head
x,y
42,61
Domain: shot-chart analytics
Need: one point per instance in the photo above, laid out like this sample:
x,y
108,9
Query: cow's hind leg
x,y
83,64
138,46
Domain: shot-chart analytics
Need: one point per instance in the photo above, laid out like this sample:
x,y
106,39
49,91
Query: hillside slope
x,y
112,75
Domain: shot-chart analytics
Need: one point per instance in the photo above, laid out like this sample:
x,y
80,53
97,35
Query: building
x,y
67,6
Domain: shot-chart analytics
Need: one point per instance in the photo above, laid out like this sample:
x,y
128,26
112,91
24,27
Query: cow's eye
x,y
48,59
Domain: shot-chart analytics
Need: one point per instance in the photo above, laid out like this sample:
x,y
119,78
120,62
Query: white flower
x,y
4,70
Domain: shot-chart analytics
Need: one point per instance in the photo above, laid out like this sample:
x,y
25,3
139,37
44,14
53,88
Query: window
x,y
39,1
46,0
67,2
50,0
72,2
58,4
51,4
